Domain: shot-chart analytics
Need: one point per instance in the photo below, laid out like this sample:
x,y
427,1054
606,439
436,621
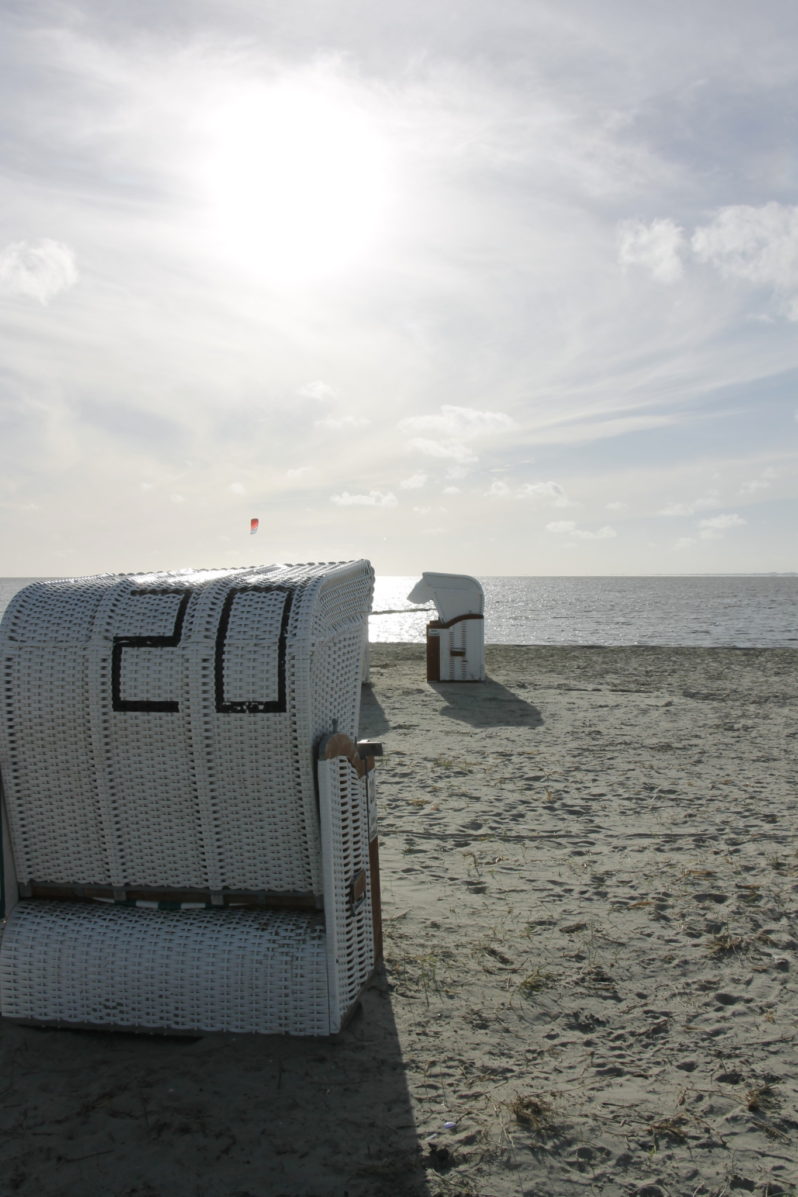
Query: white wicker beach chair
x,y
189,829
456,639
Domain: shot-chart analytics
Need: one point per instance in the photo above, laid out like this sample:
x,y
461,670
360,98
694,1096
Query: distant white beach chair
x,y
456,640
189,827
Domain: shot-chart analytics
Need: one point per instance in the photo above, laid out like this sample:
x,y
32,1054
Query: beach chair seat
x,y
189,826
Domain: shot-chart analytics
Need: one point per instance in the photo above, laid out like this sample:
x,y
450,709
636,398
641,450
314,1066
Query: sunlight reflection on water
x,y
747,610
744,610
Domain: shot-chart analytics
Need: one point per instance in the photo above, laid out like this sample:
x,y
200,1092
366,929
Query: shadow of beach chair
x,y
189,829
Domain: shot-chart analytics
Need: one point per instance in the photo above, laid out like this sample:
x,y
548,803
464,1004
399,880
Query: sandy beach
x,y
590,903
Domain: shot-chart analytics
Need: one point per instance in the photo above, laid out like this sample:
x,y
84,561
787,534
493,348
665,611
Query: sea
x,y
742,610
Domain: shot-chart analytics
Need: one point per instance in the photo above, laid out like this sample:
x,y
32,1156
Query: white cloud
x,y
656,246
730,520
374,498
335,423
454,421
237,488
759,244
605,533
446,434
617,505
704,502
569,528
37,269
756,484
414,482
447,450
714,527
549,492
763,482
317,390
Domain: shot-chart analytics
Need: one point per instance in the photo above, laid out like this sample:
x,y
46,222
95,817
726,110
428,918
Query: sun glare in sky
x,y
296,180
495,289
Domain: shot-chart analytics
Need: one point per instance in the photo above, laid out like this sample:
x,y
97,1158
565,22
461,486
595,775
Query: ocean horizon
x,y
701,610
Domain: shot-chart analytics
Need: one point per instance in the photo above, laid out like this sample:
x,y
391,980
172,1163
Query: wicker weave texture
x,y
158,730
81,964
10,889
343,800
268,972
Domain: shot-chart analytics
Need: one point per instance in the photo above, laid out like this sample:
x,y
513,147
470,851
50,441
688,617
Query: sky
x,y
505,288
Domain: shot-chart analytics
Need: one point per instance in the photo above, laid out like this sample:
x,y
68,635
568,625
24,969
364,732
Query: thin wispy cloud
x,y
716,525
443,450
754,486
374,498
414,482
571,529
704,502
454,433
466,422
549,493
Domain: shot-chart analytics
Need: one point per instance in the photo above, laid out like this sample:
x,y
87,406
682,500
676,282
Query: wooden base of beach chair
x,y
455,650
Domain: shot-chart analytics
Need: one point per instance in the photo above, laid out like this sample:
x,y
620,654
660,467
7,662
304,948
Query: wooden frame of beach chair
x,y
189,833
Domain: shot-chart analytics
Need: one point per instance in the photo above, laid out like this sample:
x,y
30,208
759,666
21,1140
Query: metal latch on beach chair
x,y
367,750
360,756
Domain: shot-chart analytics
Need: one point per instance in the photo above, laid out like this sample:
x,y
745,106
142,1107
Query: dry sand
x,y
590,886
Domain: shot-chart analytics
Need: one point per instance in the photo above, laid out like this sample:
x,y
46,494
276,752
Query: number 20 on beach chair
x,y
189,826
